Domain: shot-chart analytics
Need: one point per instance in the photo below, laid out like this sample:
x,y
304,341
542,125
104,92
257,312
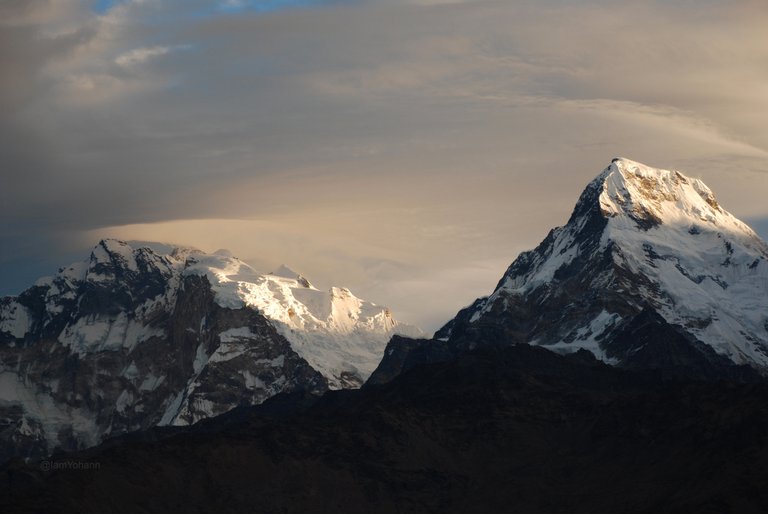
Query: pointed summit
x,y
650,197
646,251
113,252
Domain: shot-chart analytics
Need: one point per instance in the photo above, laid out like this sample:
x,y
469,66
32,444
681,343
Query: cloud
x,y
384,145
140,55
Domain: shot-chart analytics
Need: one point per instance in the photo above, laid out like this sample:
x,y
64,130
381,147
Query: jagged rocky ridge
x,y
650,272
133,338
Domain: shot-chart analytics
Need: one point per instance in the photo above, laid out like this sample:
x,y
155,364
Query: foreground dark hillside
x,y
513,430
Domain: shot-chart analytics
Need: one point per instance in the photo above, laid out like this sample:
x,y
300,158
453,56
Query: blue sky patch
x,y
232,6
102,6
265,5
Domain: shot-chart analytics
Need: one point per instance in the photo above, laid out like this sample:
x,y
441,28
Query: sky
x,y
406,149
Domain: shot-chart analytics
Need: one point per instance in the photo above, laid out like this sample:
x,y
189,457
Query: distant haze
x,y
406,149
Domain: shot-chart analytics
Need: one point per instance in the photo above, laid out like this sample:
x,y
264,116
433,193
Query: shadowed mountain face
x,y
514,429
133,338
647,254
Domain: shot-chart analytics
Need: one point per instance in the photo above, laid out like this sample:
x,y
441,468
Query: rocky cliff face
x,y
132,339
649,272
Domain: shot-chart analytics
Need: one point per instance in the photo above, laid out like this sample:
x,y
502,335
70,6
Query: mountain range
x,y
133,338
615,367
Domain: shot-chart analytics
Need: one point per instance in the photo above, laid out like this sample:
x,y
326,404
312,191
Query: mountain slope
x,y
517,429
645,249
133,338
339,334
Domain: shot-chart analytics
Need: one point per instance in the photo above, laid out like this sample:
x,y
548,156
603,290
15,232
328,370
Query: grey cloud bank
x,y
408,150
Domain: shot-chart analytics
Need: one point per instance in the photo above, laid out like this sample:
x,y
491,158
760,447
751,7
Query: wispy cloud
x,y
369,142
140,55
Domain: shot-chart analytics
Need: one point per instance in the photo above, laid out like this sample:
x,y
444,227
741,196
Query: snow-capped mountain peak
x,y
640,240
339,334
651,197
134,337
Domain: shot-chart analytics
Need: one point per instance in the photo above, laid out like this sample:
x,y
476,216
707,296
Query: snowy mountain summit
x,y
340,335
650,272
136,337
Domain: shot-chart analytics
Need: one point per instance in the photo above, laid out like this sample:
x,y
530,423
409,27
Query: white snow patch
x,y
124,401
236,334
25,428
151,382
588,337
15,320
277,362
109,249
131,372
201,358
228,351
172,410
94,333
252,381
40,406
